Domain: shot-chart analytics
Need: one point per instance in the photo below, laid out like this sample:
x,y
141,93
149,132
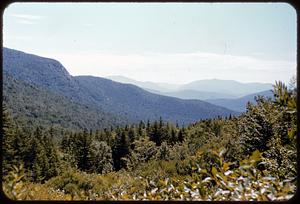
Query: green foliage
x,y
244,182
13,187
36,151
120,150
281,93
100,157
71,181
180,151
143,152
163,152
255,127
9,141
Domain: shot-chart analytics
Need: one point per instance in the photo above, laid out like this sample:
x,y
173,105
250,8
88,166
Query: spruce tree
x,y
8,140
182,134
131,136
155,133
120,149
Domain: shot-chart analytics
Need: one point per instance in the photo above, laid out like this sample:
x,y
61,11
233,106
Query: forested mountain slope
x,y
36,105
135,103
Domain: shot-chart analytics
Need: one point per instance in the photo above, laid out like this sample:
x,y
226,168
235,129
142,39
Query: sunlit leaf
x,y
214,171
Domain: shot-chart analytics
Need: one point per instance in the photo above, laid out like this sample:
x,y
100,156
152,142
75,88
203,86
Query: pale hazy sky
x,y
160,42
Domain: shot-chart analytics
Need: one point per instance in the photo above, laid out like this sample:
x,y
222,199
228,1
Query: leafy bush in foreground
x,y
247,182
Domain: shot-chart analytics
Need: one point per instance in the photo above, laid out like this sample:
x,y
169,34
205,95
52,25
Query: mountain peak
x,y
34,62
38,70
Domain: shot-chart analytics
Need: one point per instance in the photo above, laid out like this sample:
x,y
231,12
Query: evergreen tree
x,y
40,163
148,127
161,123
83,143
52,157
255,128
41,158
140,128
9,150
120,149
173,137
68,147
131,136
155,133
181,134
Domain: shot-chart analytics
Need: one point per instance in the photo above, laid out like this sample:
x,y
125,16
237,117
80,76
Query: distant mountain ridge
x,y
122,100
200,89
193,94
239,104
231,87
147,85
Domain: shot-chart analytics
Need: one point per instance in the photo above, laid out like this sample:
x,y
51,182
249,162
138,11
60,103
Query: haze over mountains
x,y
200,89
116,102
147,85
239,104
226,93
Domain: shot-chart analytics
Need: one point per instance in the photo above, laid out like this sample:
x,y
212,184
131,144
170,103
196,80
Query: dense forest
x,y
247,157
36,105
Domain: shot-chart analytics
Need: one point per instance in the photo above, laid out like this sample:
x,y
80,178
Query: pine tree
x,y
40,164
131,136
182,134
83,143
161,123
140,128
120,149
155,133
8,140
68,148
173,138
148,127
52,158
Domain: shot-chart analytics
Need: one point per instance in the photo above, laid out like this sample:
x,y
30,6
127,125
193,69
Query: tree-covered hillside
x,y
137,104
35,105
249,157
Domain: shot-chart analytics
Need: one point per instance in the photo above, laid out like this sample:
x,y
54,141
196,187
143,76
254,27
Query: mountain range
x,y
231,94
45,83
201,89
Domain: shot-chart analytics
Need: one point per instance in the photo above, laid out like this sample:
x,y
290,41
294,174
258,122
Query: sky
x,y
160,42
